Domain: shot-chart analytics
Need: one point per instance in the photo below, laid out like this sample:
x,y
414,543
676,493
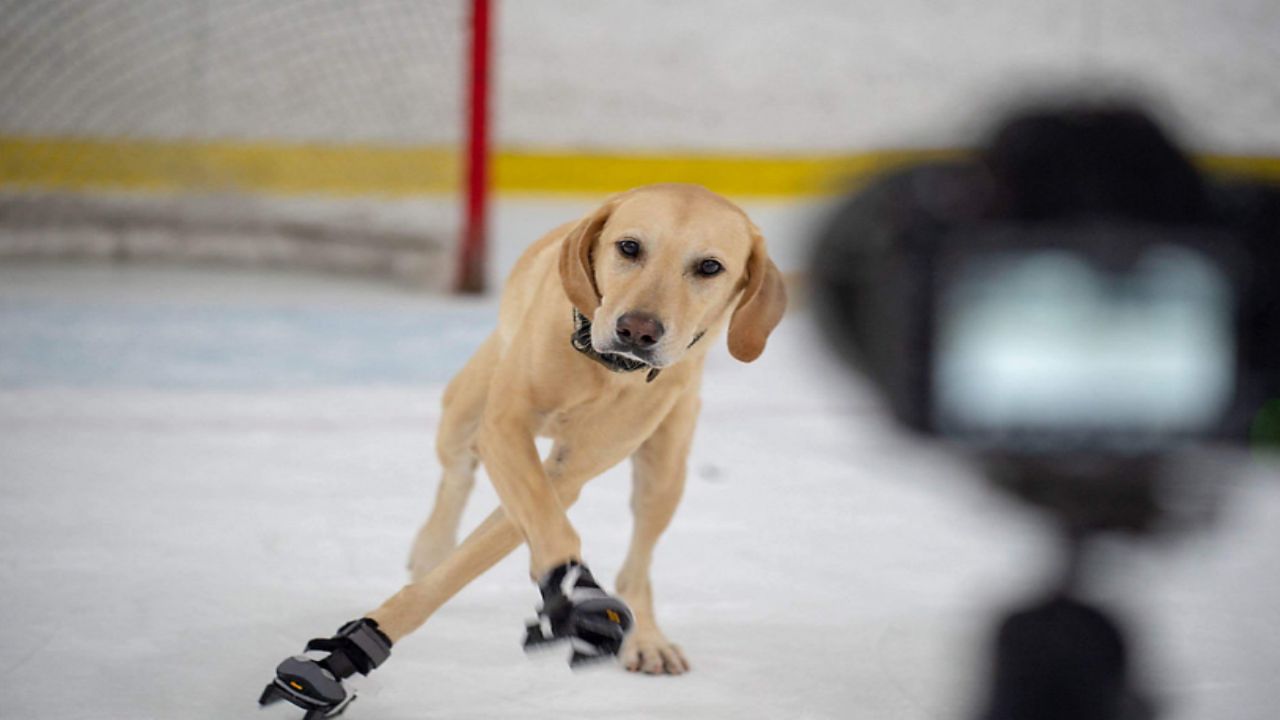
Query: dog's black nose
x,y
639,330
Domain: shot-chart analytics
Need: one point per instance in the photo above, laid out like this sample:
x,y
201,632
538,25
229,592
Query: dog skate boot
x,y
576,609
315,684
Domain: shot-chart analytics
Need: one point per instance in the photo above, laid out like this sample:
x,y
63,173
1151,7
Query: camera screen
x,y
1045,342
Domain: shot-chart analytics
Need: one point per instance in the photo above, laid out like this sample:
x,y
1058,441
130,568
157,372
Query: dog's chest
x,y
554,424
611,413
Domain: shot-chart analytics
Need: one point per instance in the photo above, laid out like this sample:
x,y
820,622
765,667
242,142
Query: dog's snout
x,y
639,330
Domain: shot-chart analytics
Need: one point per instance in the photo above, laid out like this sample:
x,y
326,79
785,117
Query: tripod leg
x,y
1061,660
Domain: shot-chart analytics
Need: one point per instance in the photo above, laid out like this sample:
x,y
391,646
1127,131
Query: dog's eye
x,y
709,267
629,248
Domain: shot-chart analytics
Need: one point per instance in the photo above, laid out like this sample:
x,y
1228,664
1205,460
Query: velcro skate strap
x,y
564,579
338,662
359,646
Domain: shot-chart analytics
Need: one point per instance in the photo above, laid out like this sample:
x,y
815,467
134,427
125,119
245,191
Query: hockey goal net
x,y
319,134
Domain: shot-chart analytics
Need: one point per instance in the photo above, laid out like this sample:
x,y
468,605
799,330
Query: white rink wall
x,y
830,75
715,75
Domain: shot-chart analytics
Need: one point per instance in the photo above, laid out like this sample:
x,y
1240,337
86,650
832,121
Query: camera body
x,y
1074,305
1078,289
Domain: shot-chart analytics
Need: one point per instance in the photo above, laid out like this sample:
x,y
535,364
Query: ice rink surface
x,y
200,470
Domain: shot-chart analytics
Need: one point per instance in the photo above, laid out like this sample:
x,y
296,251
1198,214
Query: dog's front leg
x,y
658,474
574,606
493,540
525,490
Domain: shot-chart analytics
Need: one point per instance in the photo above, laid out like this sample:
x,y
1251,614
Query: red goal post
x,y
472,249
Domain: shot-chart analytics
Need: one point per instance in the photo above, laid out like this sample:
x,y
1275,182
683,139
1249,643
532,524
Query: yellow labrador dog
x,y
604,326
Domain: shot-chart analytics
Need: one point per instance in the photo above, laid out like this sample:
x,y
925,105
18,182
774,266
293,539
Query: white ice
x,y
201,470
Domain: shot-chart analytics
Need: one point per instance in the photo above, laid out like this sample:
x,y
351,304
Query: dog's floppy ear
x,y
761,306
576,270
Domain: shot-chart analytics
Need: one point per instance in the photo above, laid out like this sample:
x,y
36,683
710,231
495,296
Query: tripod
x,y
1062,658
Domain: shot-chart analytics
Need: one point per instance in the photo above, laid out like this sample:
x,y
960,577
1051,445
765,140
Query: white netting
x,y
254,124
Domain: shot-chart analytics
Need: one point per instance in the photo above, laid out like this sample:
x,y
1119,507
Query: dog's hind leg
x,y
463,406
493,540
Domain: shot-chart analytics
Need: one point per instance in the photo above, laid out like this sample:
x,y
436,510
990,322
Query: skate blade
x,y
580,662
277,691
588,656
542,648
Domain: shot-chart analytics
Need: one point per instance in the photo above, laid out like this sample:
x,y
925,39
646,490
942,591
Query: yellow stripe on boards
x,y
1261,168
189,166
734,175
184,166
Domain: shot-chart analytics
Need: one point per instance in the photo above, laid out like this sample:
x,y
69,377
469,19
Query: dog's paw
x,y
651,653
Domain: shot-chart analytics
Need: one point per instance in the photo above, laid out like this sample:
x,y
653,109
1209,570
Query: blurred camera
x,y
1075,305
1077,289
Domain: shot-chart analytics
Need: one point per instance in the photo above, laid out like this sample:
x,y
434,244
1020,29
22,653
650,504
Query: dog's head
x,y
656,267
